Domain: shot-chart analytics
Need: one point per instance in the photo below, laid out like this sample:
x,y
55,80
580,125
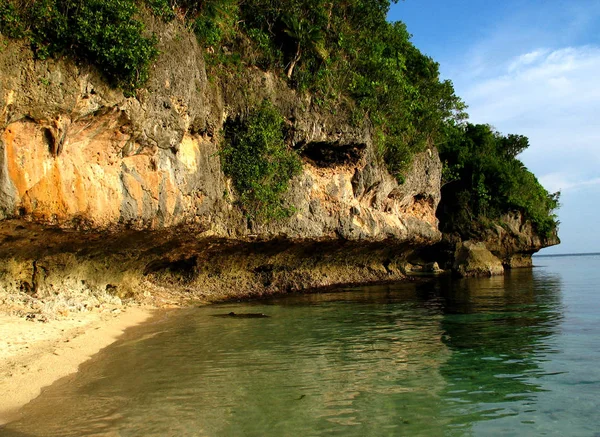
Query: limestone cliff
x,y
513,240
103,192
492,248
99,191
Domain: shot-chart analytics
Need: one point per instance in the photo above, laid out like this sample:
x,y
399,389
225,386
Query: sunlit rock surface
x,y
99,191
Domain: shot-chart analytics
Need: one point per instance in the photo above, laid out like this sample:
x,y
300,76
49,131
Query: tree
x,y
306,36
511,145
489,181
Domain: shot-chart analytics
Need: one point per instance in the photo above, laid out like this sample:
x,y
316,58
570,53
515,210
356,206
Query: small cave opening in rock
x,y
423,203
183,269
50,141
423,199
331,154
451,213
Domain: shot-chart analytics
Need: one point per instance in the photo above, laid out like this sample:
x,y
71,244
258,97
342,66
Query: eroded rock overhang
x,y
183,263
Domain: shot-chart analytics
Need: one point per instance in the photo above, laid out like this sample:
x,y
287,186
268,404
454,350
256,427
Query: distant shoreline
x,y
566,254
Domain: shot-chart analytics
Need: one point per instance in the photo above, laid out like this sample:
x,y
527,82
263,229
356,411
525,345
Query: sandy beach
x,y
36,351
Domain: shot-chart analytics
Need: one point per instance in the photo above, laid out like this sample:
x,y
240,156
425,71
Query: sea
x,y
515,355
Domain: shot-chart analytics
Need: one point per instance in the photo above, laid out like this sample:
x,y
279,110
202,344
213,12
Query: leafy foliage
x,y
11,24
215,21
484,179
255,156
162,9
104,32
306,37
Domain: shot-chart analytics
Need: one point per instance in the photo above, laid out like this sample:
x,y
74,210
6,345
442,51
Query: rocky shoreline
x,y
135,196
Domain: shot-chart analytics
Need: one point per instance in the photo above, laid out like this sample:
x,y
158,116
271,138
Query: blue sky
x,y
528,67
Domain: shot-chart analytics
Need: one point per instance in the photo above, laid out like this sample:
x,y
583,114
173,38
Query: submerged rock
x,y
243,315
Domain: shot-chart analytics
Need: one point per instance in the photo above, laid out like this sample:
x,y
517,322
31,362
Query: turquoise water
x,y
510,356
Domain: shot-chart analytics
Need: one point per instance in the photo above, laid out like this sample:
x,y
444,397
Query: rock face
x,y
513,240
112,193
77,153
510,241
474,259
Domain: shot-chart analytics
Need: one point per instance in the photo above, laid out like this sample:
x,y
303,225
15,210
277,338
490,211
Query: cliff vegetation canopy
x,y
484,179
107,33
344,53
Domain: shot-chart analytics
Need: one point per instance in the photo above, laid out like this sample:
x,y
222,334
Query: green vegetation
x,y
259,163
162,9
483,179
105,33
10,20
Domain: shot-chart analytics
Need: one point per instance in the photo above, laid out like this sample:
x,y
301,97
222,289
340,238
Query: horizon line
x,y
567,254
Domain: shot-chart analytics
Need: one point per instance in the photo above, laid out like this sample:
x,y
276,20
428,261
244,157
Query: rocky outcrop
x,y
513,240
491,249
474,259
104,192
112,193
181,263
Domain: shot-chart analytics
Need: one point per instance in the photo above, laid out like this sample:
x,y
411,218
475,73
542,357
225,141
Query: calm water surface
x,y
509,356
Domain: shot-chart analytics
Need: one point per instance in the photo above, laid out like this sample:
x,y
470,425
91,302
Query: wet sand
x,y
34,354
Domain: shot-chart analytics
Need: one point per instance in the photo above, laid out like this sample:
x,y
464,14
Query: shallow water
x,y
513,356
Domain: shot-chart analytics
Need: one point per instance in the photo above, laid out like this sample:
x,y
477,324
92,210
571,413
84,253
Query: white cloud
x,y
553,97
566,182
558,81
526,59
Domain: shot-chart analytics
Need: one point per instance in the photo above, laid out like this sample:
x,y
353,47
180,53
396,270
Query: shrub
x,y
267,56
11,24
259,163
214,21
162,9
105,33
208,31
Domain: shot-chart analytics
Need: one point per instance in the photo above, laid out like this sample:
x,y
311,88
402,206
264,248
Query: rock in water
x,y
243,315
474,259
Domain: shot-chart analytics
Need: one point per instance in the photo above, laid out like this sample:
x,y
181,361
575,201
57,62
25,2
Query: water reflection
x,y
439,358
325,364
500,331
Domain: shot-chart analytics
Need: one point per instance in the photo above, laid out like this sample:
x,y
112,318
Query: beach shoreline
x,y
34,353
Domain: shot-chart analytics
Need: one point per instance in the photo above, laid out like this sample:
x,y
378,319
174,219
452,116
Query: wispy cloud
x,y
523,33
555,84
566,182
526,60
553,97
